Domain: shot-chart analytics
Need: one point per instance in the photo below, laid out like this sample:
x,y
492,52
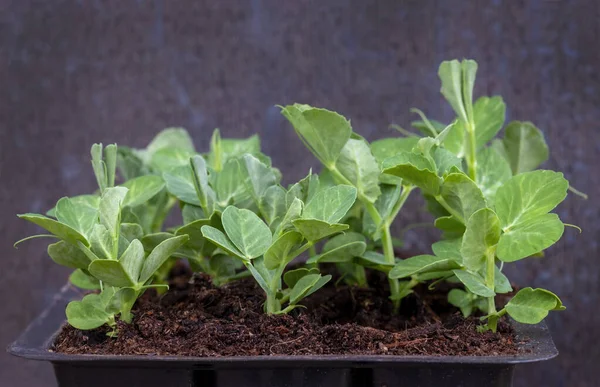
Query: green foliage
x,y
488,200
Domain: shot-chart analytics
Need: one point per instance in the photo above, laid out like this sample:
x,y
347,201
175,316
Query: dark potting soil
x,y
195,318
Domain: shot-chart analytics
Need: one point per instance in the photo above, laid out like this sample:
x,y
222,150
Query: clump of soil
x,y
195,318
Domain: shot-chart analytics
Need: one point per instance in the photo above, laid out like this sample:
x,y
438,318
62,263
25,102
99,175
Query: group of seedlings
x,y
488,199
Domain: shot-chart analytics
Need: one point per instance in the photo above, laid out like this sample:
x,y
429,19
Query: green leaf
x,y
449,249
421,264
163,160
445,161
77,214
278,253
323,132
159,255
129,164
180,184
142,189
247,231
131,231
462,300
331,204
273,205
374,260
492,171
530,237
388,147
197,241
462,195
303,286
525,146
488,114
111,272
529,195
227,183
99,166
320,283
315,230
342,248
174,138
480,239
83,281
450,226
292,277
61,230
501,283
65,254
125,298
293,212
223,150
457,80
133,259
191,213
259,177
358,165
89,313
111,203
304,190
102,243
205,193
530,306
474,283
384,205
220,239
415,169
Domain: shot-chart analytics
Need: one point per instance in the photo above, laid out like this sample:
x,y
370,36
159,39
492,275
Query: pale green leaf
x,y
180,183
111,203
492,171
159,255
324,132
462,300
387,147
220,239
303,190
66,254
450,226
273,205
530,306
331,204
258,177
205,193
78,214
163,160
421,264
457,86
449,249
462,195
415,169
102,243
530,237
278,253
525,146
529,195
293,212
83,281
86,315
247,231
133,259
358,165
141,189
111,272
445,161
61,230
315,230
501,283
474,283
303,286
293,276
342,248
480,238
227,183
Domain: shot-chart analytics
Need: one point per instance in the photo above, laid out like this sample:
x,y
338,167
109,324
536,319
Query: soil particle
x,y
195,318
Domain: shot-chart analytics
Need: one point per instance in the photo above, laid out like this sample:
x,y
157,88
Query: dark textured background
x,y
76,72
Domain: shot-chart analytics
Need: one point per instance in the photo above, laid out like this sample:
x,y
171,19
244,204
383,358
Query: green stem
x,y
300,250
489,282
406,190
273,304
388,252
312,251
471,157
452,212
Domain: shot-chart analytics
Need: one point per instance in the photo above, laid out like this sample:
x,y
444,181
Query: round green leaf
x,y
247,231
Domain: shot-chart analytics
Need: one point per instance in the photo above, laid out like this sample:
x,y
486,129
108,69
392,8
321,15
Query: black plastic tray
x,y
273,371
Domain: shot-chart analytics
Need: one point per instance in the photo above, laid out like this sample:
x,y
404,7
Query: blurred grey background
x,y
77,72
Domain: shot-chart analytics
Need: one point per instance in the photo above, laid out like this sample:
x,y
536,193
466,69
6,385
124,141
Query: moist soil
x,y
195,318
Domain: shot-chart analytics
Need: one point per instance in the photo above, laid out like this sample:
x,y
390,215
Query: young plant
x,y
487,202
105,252
348,159
267,249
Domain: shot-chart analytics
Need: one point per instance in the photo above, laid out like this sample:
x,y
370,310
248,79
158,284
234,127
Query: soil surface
x,y
195,318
